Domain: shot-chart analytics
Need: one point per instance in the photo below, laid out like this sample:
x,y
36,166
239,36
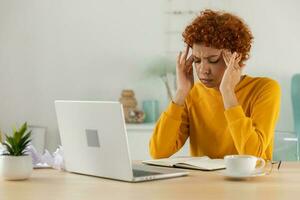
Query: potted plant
x,y
15,163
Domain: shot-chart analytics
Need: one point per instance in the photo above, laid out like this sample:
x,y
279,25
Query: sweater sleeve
x,y
171,132
253,134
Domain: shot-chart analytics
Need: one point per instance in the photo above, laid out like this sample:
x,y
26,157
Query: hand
x,y
231,77
185,77
232,74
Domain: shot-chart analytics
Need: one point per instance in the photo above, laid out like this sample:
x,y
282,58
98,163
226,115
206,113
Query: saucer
x,y
243,176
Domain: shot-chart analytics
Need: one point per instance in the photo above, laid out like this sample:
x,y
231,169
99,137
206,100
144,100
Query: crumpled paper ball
x,y
55,160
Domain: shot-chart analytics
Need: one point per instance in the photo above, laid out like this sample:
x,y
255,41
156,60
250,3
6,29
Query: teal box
x,y
151,110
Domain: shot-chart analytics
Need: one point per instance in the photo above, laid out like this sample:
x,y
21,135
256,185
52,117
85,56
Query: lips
x,y
204,80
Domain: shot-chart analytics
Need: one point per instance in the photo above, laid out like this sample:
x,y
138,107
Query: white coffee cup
x,y
243,164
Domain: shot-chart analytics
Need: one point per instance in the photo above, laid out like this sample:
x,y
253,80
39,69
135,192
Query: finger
x,y
239,57
179,58
185,54
225,57
227,52
232,60
189,61
237,61
190,73
227,60
189,65
229,55
189,70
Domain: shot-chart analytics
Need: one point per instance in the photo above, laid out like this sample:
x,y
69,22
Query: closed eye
x,y
214,61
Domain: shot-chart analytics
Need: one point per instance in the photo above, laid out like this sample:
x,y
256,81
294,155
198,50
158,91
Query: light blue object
x,y
151,109
295,90
287,142
285,146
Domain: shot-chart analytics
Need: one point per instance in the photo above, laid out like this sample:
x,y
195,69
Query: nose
x,y
204,68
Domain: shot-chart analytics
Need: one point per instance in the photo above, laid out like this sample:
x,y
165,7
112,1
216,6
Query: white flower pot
x,y
15,167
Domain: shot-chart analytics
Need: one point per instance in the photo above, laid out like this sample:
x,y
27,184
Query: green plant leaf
x,y
25,144
23,128
25,138
19,134
16,144
8,148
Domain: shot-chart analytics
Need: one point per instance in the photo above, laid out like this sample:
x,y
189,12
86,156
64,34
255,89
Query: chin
x,y
209,85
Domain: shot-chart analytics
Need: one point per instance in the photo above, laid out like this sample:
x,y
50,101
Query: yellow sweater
x,y
215,132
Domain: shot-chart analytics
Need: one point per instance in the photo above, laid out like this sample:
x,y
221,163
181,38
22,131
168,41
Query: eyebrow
x,y
205,57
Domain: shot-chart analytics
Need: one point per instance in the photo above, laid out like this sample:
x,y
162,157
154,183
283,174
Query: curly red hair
x,y
220,30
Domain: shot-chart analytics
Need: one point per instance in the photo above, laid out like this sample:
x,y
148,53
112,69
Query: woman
x,y
226,112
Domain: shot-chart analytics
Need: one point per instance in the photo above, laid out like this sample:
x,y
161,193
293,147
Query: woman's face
x,y
209,65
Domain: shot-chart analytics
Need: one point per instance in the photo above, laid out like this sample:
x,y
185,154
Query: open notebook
x,y
201,163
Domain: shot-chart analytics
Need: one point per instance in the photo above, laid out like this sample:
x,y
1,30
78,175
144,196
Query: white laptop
x,y
94,140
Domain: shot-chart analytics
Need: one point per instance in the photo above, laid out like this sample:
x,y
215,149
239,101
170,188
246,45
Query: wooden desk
x,y
52,184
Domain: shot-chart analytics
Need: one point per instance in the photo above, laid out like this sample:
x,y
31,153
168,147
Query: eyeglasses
x,y
274,164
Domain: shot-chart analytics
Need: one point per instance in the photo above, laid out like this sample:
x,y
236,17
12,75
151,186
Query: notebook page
x,y
172,161
208,164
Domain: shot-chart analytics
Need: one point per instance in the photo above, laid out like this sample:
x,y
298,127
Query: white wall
x,y
67,49
275,53
91,49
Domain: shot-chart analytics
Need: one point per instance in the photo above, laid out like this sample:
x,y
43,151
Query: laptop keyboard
x,y
141,173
